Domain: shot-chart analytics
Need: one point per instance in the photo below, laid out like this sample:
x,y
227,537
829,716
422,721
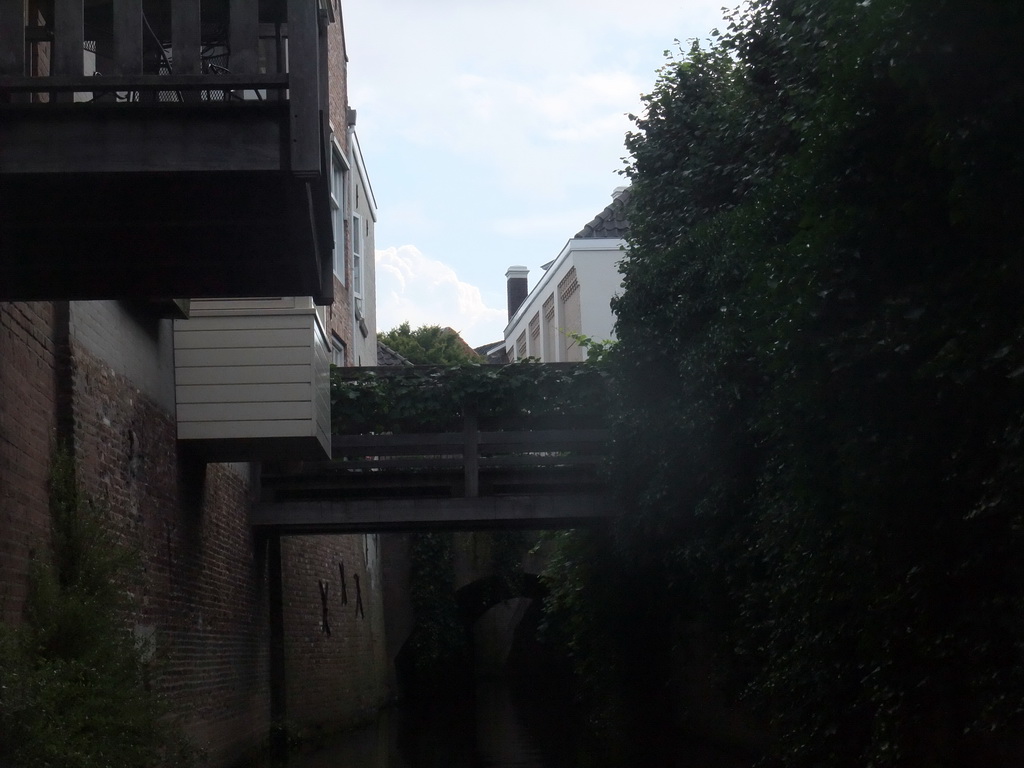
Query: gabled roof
x,y
493,353
612,221
387,356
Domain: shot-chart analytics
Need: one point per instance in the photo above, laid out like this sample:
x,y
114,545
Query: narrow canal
x,y
495,725
498,725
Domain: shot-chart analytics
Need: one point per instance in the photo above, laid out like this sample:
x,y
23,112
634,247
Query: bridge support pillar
x,y
278,700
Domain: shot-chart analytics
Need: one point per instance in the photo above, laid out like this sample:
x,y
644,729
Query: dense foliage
x,y
428,345
438,640
821,354
73,681
436,397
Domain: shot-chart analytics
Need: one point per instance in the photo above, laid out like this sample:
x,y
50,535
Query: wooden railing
x,y
471,454
170,51
467,464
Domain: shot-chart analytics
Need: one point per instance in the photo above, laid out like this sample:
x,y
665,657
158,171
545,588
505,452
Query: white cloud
x,y
423,291
528,95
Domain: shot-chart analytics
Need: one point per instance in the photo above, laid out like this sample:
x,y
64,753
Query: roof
x,y
387,356
612,221
494,352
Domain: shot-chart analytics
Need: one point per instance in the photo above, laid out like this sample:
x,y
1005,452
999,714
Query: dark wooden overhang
x,y
193,166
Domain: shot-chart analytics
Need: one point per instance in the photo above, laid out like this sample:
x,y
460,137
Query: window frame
x,y
338,346
339,217
359,237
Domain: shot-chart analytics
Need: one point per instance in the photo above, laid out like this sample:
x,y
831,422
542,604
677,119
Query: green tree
x,y
821,357
429,345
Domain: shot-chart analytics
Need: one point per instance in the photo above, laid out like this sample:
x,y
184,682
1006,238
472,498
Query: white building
x,y
573,295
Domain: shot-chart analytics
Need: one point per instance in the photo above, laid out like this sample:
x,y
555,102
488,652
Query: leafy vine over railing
x,y
425,398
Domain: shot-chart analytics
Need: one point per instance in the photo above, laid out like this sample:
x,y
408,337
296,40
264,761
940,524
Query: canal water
x,y
499,725
496,725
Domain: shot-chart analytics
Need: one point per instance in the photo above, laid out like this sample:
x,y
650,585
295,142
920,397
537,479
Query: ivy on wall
x,y
429,398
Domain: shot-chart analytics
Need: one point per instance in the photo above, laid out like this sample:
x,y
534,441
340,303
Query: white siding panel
x,y
250,307
243,374
244,322
228,357
246,412
244,339
254,381
246,393
243,430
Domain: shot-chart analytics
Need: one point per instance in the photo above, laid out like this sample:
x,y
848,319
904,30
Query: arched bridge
x,y
527,474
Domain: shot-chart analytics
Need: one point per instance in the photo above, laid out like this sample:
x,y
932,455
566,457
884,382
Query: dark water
x,y
493,726
498,725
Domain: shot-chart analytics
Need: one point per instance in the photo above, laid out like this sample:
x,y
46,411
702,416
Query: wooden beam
x,y
186,37
278,680
68,41
380,515
471,453
116,138
244,36
12,37
304,87
128,37
22,83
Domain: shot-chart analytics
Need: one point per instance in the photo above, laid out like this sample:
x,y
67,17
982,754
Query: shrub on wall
x,y
73,680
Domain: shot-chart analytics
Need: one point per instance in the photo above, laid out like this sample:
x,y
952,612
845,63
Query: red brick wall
x,y
27,424
335,680
202,591
340,319
337,69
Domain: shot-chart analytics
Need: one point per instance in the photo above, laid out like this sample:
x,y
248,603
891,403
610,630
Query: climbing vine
x,y
435,397
438,640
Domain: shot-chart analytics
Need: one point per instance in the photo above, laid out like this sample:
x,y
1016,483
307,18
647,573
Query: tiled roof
x,y
387,356
493,353
611,222
462,343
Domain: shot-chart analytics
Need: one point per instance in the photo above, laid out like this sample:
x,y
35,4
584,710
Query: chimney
x,y
517,291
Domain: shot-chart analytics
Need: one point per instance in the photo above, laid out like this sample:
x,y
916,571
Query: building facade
x,y
170,418
572,297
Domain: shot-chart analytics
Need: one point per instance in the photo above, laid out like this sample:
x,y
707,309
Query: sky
x,y
492,132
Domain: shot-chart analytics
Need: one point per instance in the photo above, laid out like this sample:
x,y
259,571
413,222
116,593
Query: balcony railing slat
x,y
12,38
128,37
68,40
186,37
304,87
23,84
244,38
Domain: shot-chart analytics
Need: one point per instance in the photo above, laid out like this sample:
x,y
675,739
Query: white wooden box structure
x,y
252,380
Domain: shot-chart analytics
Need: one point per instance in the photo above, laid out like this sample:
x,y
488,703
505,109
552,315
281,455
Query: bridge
x,y
473,479
546,471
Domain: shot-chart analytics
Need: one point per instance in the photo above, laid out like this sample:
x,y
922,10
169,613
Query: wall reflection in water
x,y
491,727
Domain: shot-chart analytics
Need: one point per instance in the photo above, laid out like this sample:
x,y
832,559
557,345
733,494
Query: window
x,y
338,214
339,354
357,255
534,347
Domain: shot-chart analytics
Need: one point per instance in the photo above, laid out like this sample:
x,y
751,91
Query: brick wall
x,y
338,93
335,680
28,397
201,594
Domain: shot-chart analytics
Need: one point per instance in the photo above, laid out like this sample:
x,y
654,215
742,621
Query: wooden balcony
x,y
172,149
